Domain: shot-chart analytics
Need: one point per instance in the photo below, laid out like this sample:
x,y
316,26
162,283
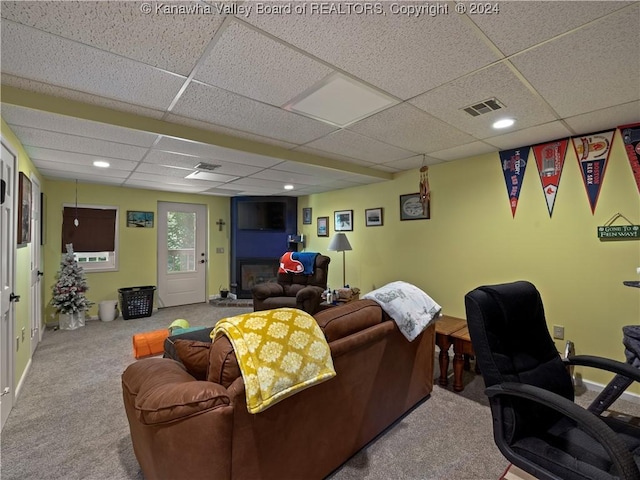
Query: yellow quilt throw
x,y
280,352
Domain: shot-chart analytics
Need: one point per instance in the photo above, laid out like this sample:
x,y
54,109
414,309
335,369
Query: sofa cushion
x,y
341,321
223,364
194,355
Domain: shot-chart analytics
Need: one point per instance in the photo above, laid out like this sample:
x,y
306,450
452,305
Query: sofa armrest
x,y
165,392
361,339
309,298
266,290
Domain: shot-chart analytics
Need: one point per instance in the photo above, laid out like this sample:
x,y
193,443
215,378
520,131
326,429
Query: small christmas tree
x,y
71,285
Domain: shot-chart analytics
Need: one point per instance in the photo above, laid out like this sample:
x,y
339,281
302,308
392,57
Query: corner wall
x,y
472,240
137,246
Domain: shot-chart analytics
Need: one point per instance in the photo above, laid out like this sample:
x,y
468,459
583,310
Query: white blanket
x,y
411,308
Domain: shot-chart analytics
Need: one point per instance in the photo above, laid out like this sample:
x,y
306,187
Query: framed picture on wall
x,y
343,221
373,217
24,209
411,208
306,216
139,219
323,226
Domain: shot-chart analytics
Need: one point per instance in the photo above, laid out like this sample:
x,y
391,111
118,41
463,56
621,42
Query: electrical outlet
x,y
23,334
220,250
558,332
638,270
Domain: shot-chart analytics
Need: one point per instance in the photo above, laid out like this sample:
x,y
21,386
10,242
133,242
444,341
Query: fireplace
x,y
252,271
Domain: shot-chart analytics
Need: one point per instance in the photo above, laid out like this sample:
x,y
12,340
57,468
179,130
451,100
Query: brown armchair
x,y
294,290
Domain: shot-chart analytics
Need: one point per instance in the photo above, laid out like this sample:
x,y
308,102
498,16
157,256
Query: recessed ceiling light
x,y
101,164
504,123
288,187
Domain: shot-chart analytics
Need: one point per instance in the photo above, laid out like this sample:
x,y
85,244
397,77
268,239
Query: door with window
x,y
182,254
8,165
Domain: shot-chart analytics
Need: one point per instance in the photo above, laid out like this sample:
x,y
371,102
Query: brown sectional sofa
x,y
184,428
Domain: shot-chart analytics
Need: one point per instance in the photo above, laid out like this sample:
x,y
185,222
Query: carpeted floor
x,y
69,421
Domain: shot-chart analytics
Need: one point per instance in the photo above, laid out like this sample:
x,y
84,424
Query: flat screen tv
x,y
262,215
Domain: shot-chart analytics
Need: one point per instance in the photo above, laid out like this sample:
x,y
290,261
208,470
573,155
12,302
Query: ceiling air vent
x,y
484,107
207,167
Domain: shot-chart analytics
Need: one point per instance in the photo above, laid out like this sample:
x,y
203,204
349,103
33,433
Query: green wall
x,y
137,246
473,240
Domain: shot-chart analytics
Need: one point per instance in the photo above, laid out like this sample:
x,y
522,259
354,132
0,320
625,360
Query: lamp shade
x,y
339,243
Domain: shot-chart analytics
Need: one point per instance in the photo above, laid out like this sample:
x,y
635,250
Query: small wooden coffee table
x,y
445,327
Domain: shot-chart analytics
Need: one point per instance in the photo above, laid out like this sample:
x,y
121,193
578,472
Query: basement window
x,y
94,239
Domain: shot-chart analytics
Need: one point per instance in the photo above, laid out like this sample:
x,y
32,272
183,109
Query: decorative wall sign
x,y
593,152
514,163
631,140
550,160
608,231
139,219
24,209
411,207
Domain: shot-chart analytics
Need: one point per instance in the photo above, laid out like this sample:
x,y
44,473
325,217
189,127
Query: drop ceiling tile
x,y
168,180
400,54
594,67
447,102
163,170
86,178
544,20
33,137
71,168
187,163
605,119
307,169
351,144
153,185
65,158
218,192
214,105
43,57
247,62
173,42
463,151
268,187
27,117
284,177
39,87
334,156
227,131
411,163
531,136
410,128
213,153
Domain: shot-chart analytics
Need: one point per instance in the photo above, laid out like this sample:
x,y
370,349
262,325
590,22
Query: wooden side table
x,y
462,349
445,327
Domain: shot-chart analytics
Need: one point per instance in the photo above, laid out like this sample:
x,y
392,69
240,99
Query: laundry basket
x,y
136,302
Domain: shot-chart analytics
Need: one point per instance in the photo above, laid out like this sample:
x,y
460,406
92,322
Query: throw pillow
x,y
194,356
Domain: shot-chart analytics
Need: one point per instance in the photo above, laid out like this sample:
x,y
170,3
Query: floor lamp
x,y
340,243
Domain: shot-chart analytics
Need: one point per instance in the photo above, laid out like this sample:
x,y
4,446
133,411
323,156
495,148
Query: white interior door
x,y
36,265
8,166
182,254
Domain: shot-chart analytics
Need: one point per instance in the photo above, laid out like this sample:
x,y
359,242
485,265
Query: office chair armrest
x,y
587,421
607,364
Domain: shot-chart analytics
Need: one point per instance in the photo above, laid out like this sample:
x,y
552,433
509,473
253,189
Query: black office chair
x,y
536,424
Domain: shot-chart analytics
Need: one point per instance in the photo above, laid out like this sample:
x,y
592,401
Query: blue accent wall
x,y
260,244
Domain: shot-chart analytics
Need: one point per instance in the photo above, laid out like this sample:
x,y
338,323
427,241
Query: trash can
x,y
108,310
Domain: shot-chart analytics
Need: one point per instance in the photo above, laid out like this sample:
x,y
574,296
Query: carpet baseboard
x,y
22,379
598,387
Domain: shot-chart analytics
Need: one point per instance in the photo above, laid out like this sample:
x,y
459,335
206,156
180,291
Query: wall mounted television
x,y
262,215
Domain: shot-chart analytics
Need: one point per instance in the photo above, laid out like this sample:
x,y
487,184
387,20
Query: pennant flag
x,y
631,140
514,163
550,160
593,152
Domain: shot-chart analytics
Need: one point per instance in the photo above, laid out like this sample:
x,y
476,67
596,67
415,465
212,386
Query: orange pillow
x,y
194,356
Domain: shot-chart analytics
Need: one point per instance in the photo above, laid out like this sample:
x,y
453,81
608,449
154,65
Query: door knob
x,y
14,298
5,392
202,261
40,273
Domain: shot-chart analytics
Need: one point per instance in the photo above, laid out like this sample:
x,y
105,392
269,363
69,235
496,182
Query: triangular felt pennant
x,y
593,152
631,139
550,160
514,163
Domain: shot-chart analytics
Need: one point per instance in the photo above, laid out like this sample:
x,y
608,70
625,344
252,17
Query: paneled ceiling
x,y
155,88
